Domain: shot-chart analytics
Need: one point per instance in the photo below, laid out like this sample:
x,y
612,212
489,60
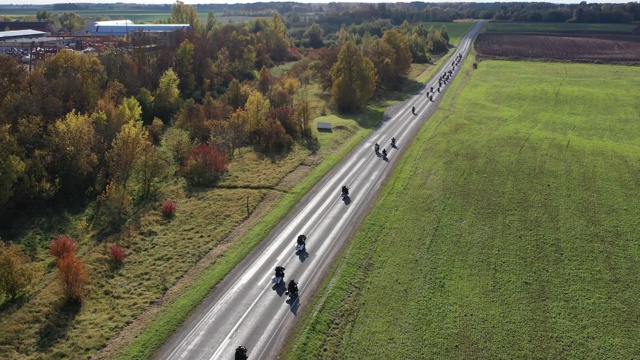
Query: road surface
x,y
247,308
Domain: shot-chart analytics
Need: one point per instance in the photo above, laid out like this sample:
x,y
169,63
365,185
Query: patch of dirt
x,y
120,340
558,47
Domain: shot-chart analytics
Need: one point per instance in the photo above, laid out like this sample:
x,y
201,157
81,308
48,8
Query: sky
x,y
191,2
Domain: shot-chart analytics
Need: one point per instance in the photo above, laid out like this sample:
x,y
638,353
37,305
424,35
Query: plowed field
x,y
567,48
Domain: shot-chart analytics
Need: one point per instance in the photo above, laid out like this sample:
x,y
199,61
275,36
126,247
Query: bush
x,y
62,245
168,208
117,254
72,276
204,165
16,272
274,138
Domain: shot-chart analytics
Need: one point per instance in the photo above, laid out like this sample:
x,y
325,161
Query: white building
x,y
125,27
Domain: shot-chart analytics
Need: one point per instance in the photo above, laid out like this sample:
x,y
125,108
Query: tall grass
x,y
508,231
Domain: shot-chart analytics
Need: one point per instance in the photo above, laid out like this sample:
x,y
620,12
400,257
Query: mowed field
x,y
510,230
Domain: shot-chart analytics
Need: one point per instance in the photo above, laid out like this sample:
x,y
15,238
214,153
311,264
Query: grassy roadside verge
x,y
507,231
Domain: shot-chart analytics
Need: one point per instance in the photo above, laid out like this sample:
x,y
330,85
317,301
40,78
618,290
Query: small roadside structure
x,y
324,126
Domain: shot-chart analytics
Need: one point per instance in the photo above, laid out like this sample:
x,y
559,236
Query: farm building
x,y
124,27
21,34
45,26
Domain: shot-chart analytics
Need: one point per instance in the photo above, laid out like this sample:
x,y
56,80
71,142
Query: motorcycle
x,y
301,245
376,147
279,275
413,110
393,142
292,289
241,353
384,153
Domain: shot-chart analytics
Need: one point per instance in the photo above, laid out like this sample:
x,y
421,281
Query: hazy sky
x,y
40,2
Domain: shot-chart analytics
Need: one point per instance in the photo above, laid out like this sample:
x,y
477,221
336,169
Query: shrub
x,y
16,272
72,276
274,138
62,245
168,208
117,254
204,165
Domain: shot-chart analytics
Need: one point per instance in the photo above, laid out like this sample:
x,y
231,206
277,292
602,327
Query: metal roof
x,y
19,33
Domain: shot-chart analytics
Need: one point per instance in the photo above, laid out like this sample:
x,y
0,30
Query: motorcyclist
x,y
376,147
292,289
279,274
393,142
241,353
384,152
345,190
413,110
301,242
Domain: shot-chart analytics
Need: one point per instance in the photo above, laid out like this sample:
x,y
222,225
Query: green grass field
x,y
551,27
509,230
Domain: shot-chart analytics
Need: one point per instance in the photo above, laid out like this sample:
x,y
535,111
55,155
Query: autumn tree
x,y
73,140
126,149
354,78
257,108
191,117
402,59
73,277
62,245
73,81
204,165
182,13
167,96
382,57
16,271
274,138
264,80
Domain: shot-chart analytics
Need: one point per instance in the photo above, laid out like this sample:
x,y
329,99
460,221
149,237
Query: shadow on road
x,y
346,199
303,255
294,304
279,288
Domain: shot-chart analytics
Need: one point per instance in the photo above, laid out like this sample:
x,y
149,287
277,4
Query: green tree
x,y
16,271
182,13
73,140
184,68
125,152
167,96
314,36
354,78
12,167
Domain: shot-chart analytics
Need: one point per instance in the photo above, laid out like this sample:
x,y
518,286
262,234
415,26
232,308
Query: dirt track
x,y
564,48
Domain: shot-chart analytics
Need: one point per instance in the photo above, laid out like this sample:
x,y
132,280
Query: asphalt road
x,y
247,308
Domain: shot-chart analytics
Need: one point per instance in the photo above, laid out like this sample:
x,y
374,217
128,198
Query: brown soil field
x,y
563,48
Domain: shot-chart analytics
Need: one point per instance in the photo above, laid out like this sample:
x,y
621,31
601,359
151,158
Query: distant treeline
x,y
336,14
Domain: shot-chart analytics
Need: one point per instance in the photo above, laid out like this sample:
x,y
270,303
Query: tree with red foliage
x,y
73,277
62,246
117,254
274,138
168,208
204,165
